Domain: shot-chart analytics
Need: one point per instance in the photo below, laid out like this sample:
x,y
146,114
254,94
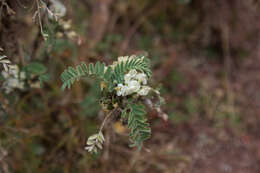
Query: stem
x,y
1,10
39,18
103,123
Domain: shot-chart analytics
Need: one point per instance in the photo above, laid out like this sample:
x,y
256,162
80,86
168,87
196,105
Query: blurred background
x,y
205,59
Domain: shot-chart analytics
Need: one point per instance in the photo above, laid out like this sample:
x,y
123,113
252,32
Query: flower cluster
x,y
14,79
66,30
57,8
134,82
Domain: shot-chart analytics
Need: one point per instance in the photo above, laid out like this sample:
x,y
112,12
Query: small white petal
x,y
141,77
133,86
5,67
22,75
58,8
127,78
132,72
5,61
105,69
92,137
5,74
144,91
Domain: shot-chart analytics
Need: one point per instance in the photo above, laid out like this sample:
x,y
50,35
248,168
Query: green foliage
x,y
95,142
70,75
137,123
35,68
110,75
60,45
43,78
142,65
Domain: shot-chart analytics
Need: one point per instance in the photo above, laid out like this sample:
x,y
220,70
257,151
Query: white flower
x,y
142,78
15,83
35,85
114,64
58,8
5,74
127,78
105,69
132,87
121,90
144,91
124,91
12,83
133,81
14,70
12,79
118,89
132,72
71,34
130,75
22,75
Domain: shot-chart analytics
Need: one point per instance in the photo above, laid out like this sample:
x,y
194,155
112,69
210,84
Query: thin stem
x,y
1,10
103,123
39,18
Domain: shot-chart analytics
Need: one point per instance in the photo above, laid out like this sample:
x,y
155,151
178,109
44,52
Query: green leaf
x,y
35,68
137,122
108,74
80,70
102,69
85,68
97,67
43,78
71,74
91,68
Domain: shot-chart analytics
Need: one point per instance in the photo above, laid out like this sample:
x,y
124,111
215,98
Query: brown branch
x,y
98,21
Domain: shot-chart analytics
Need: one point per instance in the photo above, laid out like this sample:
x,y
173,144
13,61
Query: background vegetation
x,y
204,54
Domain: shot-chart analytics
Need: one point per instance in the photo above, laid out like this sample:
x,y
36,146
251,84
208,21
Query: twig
x,y
38,13
99,21
9,10
1,9
103,123
106,152
21,4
